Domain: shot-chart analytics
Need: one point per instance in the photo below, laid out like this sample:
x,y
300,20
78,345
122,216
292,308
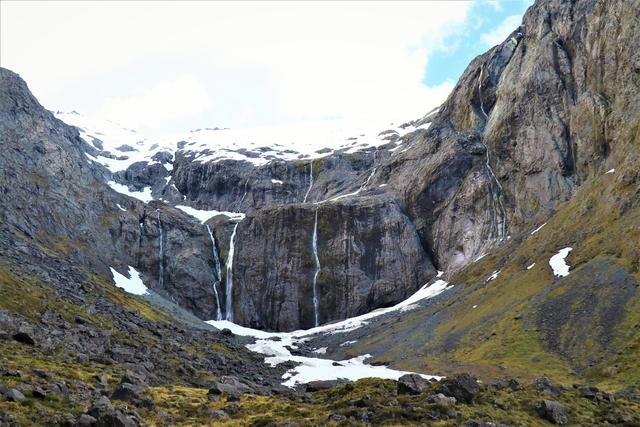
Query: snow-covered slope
x,y
120,146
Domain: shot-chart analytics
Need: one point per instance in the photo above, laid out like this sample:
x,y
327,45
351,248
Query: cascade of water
x,y
218,273
161,254
229,287
310,182
316,260
373,172
244,194
496,198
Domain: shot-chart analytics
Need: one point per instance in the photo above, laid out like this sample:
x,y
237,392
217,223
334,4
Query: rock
x,y
42,374
412,384
441,399
81,320
24,338
463,387
230,391
38,393
593,393
219,415
226,332
108,416
552,411
337,418
86,420
546,387
14,395
323,385
128,392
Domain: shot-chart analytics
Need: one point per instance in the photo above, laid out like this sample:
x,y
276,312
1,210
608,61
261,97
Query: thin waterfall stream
x,y
161,254
229,284
218,274
316,260
499,226
310,182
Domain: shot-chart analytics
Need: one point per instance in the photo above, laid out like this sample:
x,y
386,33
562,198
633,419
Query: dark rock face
x,y
369,254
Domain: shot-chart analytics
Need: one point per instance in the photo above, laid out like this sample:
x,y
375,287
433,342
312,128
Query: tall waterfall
x,y
310,182
161,254
218,273
499,225
316,260
229,287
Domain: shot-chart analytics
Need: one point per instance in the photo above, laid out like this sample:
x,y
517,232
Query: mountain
x,y
497,237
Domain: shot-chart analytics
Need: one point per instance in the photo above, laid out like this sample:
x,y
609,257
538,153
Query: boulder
x,y
412,384
463,387
552,411
24,337
14,395
545,386
441,399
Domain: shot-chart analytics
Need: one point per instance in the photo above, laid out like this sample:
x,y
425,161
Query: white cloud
x,y
501,32
228,64
166,101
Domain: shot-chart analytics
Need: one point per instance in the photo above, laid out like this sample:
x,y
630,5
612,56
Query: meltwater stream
x,y
218,272
499,226
316,260
310,182
229,287
161,254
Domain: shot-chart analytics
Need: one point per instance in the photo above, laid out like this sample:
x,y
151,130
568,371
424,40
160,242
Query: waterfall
x,y
310,182
316,260
161,254
218,273
229,287
500,227
373,172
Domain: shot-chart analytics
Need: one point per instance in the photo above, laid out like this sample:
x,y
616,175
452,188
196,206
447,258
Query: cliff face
x,y
527,124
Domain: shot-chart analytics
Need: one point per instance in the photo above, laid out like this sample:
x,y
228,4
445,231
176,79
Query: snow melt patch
x,y
492,276
203,215
558,264
538,229
132,284
276,345
144,195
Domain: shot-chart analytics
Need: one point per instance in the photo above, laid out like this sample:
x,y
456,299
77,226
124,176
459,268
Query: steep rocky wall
x,y
56,198
369,253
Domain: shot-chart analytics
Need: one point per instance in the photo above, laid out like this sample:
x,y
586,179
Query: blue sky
x,y
485,27
173,66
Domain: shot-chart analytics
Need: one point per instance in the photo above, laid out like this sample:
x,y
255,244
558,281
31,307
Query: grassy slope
x,y
502,335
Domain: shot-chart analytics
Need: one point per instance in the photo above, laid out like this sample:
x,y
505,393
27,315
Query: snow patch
x,y
531,266
276,181
492,276
538,229
276,345
204,216
610,171
120,207
132,284
558,264
144,195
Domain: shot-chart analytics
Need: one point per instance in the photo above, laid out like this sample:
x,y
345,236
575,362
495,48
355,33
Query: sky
x,y
174,66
